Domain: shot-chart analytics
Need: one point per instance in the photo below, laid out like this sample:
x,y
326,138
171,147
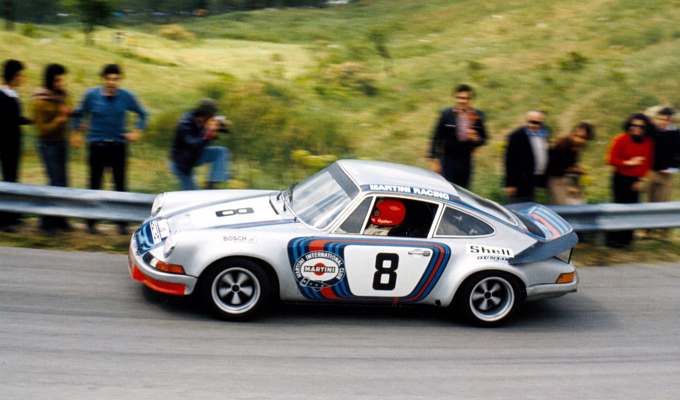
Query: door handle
x,y
419,252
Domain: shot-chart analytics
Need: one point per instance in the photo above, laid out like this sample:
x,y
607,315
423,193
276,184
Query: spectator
x,y
526,158
50,116
11,121
632,156
459,132
107,108
193,132
563,169
666,159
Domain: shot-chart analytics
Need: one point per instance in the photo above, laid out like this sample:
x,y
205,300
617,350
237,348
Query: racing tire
x,y
235,290
490,299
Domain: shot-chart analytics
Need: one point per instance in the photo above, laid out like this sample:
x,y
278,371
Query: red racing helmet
x,y
388,212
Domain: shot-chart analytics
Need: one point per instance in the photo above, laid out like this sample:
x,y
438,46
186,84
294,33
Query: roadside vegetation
x,y
367,79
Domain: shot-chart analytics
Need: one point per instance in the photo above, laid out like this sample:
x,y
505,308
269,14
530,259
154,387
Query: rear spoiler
x,y
543,250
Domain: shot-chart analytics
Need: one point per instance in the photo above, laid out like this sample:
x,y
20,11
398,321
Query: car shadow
x,y
566,314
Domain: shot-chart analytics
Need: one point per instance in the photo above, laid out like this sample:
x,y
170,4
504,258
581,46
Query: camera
x,y
223,123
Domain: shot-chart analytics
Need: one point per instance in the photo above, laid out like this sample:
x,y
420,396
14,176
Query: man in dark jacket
x,y
526,158
666,160
458,133
193,132
666,157
10,131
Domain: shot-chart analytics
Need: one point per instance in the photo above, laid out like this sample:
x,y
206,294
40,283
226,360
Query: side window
x,y
392,216
456,223
355,221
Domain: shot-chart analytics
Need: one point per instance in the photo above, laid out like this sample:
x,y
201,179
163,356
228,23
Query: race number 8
x,y
385,277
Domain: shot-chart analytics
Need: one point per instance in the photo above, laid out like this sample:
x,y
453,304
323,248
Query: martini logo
x,y
319,269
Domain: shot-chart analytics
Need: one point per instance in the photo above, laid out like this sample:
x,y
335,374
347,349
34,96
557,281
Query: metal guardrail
x,y
614,217
135,207
75,203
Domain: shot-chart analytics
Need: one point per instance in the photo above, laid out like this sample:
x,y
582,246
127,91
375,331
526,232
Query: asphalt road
x,y
75,326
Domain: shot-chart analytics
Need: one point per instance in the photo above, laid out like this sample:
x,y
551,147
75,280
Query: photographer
x,y
193,132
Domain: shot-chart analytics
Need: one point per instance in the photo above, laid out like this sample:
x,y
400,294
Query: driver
x,y
387,214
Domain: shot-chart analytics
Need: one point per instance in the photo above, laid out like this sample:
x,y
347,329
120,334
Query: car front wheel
x,y
235,290
490,298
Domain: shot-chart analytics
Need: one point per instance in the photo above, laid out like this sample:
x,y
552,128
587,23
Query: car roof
x,y
367,172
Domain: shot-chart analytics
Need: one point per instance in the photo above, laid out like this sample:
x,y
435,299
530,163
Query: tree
x,y
92,13
8,14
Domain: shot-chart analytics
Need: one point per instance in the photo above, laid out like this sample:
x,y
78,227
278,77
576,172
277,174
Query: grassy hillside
x,y
314,80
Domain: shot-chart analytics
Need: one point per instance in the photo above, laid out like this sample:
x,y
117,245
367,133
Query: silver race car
x,y
356,232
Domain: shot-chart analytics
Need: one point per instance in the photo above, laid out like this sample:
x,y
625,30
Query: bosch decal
x,y
319,269
239,239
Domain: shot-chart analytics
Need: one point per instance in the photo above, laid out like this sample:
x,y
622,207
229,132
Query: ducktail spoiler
x,y
557,235
543,250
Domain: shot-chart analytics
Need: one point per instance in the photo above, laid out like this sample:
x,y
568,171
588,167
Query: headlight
x,y
158,204
170,244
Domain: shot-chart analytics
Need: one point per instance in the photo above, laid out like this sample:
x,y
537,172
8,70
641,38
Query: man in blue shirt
x,y
107,107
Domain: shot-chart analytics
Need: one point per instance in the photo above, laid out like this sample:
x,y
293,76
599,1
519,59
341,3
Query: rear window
x,y
457,223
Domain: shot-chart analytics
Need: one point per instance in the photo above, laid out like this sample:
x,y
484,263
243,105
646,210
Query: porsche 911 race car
x,y
356,232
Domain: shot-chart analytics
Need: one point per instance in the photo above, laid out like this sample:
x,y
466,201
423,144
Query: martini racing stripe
x,y
548,221
342,291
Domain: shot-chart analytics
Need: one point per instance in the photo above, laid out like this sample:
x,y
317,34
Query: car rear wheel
x,y
490,298
235,290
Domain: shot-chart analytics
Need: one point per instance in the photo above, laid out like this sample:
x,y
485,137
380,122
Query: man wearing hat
x,y
193,132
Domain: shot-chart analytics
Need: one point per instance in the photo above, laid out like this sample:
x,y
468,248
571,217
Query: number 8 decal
x,y
385,277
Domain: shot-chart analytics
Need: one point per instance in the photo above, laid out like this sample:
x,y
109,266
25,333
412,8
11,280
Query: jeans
x,y
108,154
218,156
114,156
54,155
622,186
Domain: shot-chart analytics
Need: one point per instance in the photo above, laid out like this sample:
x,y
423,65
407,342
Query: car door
x,y
350,266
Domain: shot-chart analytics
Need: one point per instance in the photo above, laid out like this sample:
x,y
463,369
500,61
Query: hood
x,y
237,209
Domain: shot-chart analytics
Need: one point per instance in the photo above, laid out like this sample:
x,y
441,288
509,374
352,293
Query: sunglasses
x,y
463,97
539,123
637,126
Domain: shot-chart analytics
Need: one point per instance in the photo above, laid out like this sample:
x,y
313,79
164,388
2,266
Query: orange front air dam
x,y
163,287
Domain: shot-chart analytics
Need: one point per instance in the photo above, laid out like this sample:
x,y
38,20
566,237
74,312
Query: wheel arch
x,y
268,269
472,275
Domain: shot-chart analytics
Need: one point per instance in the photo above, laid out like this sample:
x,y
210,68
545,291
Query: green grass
x,y
303,79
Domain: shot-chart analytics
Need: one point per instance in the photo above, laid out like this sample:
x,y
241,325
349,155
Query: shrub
x,y
352,76
575,61
267,125
29,30
176,32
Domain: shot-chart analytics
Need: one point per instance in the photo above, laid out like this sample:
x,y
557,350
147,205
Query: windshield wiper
x,y
290,193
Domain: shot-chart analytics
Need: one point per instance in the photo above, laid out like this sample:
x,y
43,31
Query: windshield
x,y
485,205
321,198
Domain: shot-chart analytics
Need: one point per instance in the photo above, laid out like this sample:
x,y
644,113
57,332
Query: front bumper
x,y
546,291
157,280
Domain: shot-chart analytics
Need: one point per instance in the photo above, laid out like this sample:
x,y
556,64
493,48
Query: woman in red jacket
x,y
632,156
